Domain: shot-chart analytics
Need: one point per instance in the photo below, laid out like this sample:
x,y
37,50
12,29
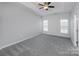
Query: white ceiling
x,y
60,7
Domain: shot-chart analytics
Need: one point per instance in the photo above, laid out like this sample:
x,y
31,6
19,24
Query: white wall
x,y
54,24
17,23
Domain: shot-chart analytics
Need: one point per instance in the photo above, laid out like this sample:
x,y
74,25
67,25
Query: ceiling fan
x,y
46,5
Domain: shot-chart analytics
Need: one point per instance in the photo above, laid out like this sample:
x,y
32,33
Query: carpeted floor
x,y
42,45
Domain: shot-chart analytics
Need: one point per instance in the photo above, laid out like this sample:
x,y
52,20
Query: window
x,y
64,26
45,25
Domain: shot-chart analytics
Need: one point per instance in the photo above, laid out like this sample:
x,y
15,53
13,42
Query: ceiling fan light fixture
x,y
46,7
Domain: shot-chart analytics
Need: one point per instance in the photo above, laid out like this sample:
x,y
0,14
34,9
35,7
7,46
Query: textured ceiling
x,y
60,7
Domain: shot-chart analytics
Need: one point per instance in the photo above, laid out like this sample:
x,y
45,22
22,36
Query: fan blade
x,y
51,6
41,7
49,3
45,3
46,9
41,4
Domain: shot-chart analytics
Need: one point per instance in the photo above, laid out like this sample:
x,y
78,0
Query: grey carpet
x,y
42,45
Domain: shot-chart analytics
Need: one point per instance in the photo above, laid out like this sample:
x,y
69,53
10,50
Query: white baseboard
x,y
56,35
24,38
